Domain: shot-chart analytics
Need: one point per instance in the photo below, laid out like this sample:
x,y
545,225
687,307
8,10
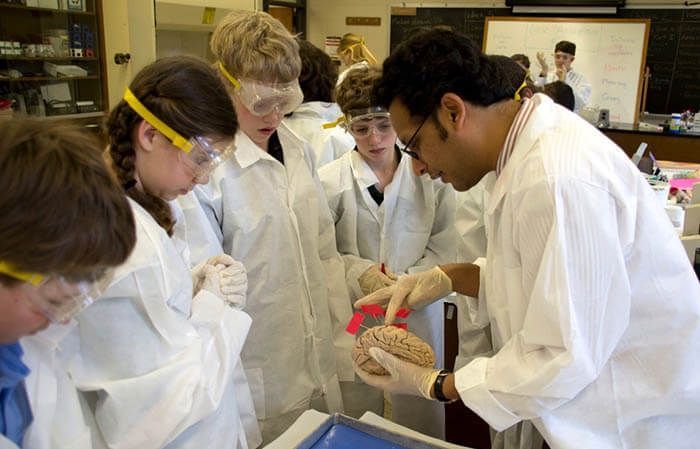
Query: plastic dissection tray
x,y
342,432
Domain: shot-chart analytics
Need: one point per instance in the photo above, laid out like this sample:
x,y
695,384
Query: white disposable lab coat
x,y
590,297
274,219
412,230
154,365
475,334
327,144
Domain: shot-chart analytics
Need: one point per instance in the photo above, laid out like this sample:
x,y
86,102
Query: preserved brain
x,y
403,344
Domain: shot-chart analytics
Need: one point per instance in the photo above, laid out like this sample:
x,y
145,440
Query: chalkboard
x,y
673,51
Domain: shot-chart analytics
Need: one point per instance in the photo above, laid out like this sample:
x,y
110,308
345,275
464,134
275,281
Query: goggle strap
x,y
516,97
228,76
335,123
177,140
33,278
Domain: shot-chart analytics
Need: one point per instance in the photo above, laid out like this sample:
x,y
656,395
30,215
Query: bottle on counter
x,y
675,125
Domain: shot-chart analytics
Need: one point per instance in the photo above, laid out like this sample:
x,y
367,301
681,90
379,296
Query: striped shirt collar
x,y
521,118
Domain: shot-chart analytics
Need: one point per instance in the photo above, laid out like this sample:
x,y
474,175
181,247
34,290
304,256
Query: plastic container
x,y
675,125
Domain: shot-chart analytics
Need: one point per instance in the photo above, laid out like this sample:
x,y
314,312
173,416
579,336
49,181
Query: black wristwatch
x,y
437,386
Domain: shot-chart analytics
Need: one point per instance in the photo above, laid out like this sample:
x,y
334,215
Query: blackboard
x,y
673,52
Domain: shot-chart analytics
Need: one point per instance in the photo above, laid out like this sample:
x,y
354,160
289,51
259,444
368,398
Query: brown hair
x,y
356,46
185,93
318,73
62,210
355,91
256,46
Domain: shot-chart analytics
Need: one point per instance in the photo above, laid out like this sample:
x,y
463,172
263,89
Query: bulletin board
x,y
610,53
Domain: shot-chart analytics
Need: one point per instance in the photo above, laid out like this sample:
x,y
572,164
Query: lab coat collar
x,y
541,119
362,171
248,153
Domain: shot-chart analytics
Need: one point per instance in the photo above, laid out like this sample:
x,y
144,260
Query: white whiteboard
x,y
610,53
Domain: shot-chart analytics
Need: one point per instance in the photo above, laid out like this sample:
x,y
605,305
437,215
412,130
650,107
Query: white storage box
x,y
58,70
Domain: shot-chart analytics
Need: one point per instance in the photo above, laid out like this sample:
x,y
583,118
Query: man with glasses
x,y
593,305
65,221
387,220
564,55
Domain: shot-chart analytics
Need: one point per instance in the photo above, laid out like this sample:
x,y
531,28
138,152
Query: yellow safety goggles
x,y
200,154
517,97
58,298
262,99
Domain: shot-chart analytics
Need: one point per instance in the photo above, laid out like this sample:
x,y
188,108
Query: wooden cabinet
x,y
52,59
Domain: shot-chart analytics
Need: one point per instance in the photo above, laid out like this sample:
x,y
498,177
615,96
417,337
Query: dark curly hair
x,y
318,73
561,93
436,61
185,93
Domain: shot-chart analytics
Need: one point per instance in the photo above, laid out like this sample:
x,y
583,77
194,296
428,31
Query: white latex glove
x,y
373,279
234,284
561,74
198,272
542,62
410,291
403,378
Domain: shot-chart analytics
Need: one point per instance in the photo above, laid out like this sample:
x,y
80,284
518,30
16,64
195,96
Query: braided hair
x,y
185,93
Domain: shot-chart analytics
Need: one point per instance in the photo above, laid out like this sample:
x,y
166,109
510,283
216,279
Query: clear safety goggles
x,y
199,154
262,99
58,298
361,123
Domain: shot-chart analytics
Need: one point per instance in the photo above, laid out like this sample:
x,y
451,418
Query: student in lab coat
x,y
385,214
578,290
317,80
267,206
155,359
52,247
564,55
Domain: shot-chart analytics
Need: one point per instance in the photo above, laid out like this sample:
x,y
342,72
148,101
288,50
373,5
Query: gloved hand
x,y
403,378
373,279
229,283
410,291
198,272
542,62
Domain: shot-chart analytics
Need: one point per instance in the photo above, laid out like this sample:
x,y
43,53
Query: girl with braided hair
x,y
158,361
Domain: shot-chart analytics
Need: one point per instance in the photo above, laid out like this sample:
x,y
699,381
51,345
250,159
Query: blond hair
x,y
355,91
355,45
254,45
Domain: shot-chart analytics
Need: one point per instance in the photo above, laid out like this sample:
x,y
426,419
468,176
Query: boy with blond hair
x,y
268,209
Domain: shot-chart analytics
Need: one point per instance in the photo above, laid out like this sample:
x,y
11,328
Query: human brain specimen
x,y
401,343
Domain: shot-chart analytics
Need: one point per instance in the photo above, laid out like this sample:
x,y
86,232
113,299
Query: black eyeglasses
x,y
406,147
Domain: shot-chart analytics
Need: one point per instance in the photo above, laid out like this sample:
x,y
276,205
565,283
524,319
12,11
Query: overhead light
x,y
564,10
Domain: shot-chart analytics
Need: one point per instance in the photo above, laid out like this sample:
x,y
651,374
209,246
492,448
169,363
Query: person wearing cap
x,y
584,274
388,221
65,225
564,55
267,206
156,360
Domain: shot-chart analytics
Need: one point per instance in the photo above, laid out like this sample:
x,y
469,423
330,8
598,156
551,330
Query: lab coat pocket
x,y
257,389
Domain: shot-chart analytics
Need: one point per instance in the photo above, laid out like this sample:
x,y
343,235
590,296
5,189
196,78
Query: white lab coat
x,y
412,230
327,144
579,84
475,335
590,297
344,72
154,365
274,219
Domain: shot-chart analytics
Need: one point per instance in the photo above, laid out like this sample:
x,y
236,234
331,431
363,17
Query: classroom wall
x,y
327,18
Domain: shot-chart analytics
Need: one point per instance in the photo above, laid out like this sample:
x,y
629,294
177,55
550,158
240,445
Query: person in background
x,y
353,53
65,224
561,93
378,225
268,209
577,290
521,59
317,81
564,55
155,360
